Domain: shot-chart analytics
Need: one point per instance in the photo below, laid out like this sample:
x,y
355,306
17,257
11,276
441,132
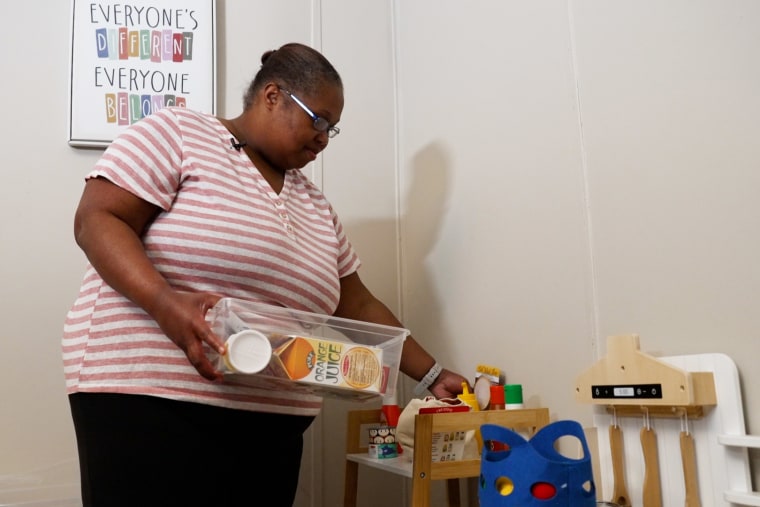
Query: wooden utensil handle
x,y
619,491
689,461
652,494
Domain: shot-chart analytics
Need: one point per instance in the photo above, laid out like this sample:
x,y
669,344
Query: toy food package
x,y
327,363
449,446
382,442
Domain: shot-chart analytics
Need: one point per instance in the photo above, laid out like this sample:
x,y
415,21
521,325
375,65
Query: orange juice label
x,y
329,363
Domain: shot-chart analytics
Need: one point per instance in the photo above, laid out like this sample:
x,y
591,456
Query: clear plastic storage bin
x,y
308,352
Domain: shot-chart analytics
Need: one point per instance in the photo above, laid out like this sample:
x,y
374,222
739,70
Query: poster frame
x,y
87,127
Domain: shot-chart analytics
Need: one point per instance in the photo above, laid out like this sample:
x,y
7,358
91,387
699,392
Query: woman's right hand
x,y
182,317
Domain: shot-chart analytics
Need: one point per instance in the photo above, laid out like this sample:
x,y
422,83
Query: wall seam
x,y
318,166
593,305
401,388
395,50
315,469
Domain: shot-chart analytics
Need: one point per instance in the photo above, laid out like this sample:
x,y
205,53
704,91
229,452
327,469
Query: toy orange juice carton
x,y
329,363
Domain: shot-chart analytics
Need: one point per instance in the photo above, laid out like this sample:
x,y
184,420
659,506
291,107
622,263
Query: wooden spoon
x,y
652,494
619,491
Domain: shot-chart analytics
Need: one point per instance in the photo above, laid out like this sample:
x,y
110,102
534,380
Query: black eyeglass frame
x,y
320,124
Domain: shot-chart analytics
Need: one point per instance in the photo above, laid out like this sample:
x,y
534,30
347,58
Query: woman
x,y
184,208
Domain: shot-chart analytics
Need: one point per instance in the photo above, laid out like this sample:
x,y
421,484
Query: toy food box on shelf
x,y
307,352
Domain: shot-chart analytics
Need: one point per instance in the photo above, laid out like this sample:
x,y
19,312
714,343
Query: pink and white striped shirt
x,y
222,230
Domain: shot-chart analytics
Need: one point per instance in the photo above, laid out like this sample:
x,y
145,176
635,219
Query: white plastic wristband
x,y
428,379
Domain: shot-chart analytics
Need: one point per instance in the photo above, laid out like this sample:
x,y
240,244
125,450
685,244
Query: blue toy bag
x,y
515,472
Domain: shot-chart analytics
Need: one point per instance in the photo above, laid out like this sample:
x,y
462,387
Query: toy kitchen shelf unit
x,y
670,429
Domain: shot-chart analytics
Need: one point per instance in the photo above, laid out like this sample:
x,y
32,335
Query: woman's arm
x,y
108,224
358,303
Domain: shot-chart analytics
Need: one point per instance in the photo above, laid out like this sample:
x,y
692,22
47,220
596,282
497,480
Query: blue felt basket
x,y
515,472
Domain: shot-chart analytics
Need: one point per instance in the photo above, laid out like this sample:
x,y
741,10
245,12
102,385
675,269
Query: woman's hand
x,y
182,317
447,385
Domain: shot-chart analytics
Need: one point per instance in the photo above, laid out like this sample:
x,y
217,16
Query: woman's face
x,y
294,141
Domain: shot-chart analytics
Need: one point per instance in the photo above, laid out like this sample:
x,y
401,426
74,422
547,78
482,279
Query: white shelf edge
x,y
742,498
740,441
401,465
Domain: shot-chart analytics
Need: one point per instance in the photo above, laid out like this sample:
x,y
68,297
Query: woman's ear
x,y
271,94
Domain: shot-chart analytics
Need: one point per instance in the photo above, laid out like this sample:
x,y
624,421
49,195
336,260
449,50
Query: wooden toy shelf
x,y
421,469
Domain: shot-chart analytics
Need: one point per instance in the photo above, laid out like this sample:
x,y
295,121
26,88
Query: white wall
x,y
41,267
577,169
522,180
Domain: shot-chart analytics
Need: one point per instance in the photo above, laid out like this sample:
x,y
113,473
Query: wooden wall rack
x,y
697,398
631,382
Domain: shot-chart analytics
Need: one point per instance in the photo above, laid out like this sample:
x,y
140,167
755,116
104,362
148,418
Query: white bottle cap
x,y
248,351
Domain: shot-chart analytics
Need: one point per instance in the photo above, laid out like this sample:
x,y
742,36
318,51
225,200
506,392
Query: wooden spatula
x,y
652,494
689,460
619,491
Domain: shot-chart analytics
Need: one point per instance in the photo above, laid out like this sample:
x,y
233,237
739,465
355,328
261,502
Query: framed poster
x,y
129,60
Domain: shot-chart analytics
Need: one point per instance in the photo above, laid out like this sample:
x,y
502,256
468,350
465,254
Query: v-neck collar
x,y
229,140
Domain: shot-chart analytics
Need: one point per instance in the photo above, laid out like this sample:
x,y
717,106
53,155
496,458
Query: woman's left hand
x,y
447,385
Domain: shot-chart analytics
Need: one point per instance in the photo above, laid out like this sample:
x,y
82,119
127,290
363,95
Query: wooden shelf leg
x,y
351,484
453,494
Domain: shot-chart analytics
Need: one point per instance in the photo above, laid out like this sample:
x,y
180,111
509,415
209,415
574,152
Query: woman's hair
x,y
295,67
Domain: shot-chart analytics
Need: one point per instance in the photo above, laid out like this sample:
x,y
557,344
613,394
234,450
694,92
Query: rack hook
x,y
684,421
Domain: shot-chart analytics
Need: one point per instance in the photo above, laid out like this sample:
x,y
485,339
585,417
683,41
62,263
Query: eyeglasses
x,y
320,124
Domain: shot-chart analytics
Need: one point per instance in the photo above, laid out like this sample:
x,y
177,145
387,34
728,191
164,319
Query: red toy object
x,y
543,490
391,414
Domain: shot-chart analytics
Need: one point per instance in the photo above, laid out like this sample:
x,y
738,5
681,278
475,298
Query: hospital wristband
x,y
428,380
